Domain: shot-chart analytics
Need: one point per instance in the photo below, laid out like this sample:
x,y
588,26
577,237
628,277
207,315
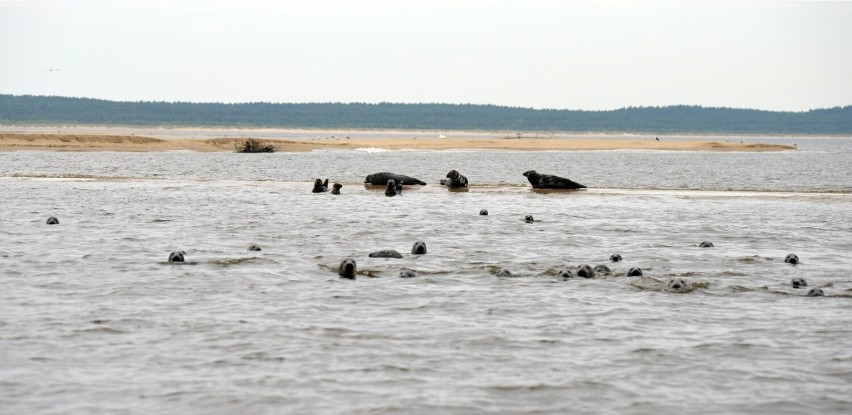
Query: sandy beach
x,y
98,142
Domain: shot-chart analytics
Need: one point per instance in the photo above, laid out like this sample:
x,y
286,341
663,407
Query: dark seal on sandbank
x,y
381,178
549,181
455,180
320,186
336,189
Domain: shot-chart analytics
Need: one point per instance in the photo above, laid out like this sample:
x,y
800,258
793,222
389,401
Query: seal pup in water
x,y
392,190
347,269
320,186
385,253
798,282
419,248
52,220
379,179
336,189
548,181
585,271
456,180
791,259
177,256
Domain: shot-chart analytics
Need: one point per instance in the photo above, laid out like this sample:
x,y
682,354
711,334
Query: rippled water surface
x,y
94,320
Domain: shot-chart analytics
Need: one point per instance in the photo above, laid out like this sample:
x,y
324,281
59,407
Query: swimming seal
x,y
379,179
634,272
483,212
565,274
529,219
385,253
585,271
791,259
602,269
815,292
254,248
177,256
798,282
676,284
347,269
615,258
320,186
705,244
504,273
456,181
391,190
336,189
419,248
52,220
407,274
548,181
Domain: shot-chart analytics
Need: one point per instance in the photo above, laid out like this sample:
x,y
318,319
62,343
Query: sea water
x,y
93,319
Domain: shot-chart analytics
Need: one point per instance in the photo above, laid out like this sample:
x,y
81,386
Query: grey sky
x,y
541,54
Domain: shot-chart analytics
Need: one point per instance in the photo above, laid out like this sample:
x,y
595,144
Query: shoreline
x,y
390,141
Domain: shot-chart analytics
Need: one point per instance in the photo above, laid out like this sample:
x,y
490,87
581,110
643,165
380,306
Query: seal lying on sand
x,y
177,256
419,248
547,181
381,178
585,271
634,272
336,189
799,282
456,180
385,253
791,259
347,269
52,220
320,186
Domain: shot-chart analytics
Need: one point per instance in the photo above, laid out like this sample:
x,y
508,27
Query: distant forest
x,y
39,110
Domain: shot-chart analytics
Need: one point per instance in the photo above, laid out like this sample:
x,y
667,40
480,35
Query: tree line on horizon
x,y
29,109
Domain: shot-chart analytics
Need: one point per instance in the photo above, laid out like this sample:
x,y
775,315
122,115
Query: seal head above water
x,y
346,269
336,189
483,212
320,186
391,190
381,178
585,271
791,259
548,181
602,269
407,274
419,248
815,292
798,282
177,256
634,272
615,258
52,220
676,284
564,274
705,244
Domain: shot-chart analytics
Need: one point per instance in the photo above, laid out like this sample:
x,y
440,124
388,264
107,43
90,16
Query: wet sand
x,y
105,142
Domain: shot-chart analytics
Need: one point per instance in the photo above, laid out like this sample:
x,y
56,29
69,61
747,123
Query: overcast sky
x,y
526,53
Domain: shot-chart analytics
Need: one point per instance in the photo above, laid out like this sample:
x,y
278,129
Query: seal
x,y
585,271
483,212
798,282
52,220
419,248
815,292
456,180
676,284
602,269
253,247
177,256
705,244
504,273
336,189
548,181
634,272
565,274
347,268
320,186
391,190
407,274
791,259
379,179
529,219
615,258
385,253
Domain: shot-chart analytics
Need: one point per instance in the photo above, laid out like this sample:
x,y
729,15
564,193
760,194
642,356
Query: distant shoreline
x,y
132,142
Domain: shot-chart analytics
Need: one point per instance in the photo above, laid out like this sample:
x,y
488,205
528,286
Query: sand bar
x,y
98,142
